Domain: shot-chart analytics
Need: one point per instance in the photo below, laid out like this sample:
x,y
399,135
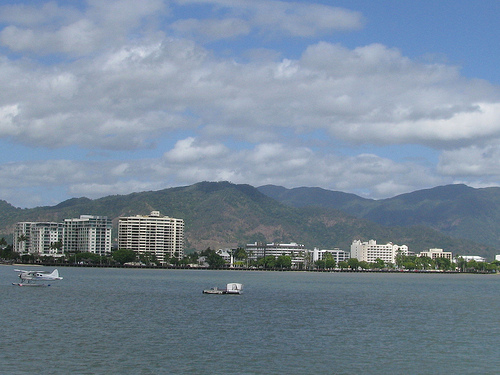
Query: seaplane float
x,y
231,288
31,278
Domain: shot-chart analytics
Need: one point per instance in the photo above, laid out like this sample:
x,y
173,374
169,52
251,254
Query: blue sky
x,y
376,98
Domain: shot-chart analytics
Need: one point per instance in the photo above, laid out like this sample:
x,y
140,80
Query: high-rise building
x,y
154,235
87,234
38,238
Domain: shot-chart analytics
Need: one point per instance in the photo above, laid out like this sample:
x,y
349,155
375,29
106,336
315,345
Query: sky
x,y
375,98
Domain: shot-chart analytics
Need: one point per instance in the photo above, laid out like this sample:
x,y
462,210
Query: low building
x,y
226,254
436,253
296,251
468,258
337,254
371,251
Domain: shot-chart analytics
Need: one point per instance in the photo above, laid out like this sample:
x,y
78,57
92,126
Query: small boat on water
x,y
231,288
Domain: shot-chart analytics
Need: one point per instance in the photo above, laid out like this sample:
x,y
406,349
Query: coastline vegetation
x,y
210,259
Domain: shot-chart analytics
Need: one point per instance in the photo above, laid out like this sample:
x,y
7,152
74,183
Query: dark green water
x,y
121,321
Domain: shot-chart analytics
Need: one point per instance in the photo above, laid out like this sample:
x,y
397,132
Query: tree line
x,y
241,259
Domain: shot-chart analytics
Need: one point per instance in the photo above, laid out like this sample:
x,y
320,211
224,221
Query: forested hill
x,y
455,210
222,214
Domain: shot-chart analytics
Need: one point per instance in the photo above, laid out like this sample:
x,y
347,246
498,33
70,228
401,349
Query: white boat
x,y
231,288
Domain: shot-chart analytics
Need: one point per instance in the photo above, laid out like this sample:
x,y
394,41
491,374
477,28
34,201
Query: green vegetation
x,y
123,256
284,262
413,262
213,259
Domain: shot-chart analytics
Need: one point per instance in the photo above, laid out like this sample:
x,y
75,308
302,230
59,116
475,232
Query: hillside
x,y
454,210
221,214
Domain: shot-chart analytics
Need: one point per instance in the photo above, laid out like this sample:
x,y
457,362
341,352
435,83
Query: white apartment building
x,y
296,251
337,254
436,253
153,234
371,251
87,233
38,238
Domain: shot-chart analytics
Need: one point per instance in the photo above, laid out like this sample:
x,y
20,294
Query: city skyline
x,y
372,98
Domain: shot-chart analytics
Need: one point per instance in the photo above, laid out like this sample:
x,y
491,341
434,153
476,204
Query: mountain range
x,y
455,210
456,218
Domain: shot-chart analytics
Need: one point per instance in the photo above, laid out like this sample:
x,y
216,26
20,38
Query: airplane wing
x,y
26,272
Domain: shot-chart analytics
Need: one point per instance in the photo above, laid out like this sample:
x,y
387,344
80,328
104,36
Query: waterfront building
x,y
436,253
468,258
371,251
337,254
226,254
297,252
87,233
153,235
38,238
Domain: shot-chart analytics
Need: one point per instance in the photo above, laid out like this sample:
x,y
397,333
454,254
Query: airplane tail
x,y
55,274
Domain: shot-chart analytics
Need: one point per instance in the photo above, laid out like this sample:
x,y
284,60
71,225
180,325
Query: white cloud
x,y
213,29
120,169
37,14
97,190
79,38
187,151
451,126
278,163
480,160
289,18
135,92
116,77
189,162
7,115
33,173
52,29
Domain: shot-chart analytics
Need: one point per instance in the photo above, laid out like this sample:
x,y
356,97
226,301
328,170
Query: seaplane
x,y
31,278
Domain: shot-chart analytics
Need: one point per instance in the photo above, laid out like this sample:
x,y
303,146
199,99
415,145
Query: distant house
x,y
226,254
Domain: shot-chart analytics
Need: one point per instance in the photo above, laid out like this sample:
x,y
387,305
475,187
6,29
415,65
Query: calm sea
x,y
126,321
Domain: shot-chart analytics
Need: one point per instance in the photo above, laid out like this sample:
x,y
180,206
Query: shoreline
x,y
47,264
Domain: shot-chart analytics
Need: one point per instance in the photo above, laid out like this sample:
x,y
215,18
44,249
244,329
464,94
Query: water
x,y
126,321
